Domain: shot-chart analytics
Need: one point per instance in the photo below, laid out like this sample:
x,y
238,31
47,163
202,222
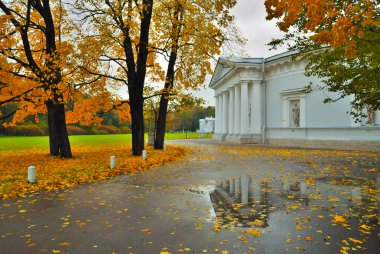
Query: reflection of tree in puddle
x,y
248,201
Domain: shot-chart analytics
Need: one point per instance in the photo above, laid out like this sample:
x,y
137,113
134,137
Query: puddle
x,y
249,201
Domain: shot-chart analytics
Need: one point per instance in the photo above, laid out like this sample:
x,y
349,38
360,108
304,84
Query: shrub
x,y
25,130
94,130
125,130
74,130
110,129
104,129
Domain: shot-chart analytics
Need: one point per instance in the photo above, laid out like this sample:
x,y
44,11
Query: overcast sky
x,y
250,18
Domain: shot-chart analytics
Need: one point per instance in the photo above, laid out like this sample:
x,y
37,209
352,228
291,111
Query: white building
x,y
261,100
207,125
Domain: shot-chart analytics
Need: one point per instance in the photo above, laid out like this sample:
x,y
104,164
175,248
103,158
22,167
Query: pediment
x,y
223,67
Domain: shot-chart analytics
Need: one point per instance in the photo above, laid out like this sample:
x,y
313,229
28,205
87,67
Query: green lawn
x,y
42,142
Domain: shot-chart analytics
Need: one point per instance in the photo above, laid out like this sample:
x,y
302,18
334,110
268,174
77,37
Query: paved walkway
x,y
170,208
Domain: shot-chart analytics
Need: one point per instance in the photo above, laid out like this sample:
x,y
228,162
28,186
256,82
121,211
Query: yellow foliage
x,y
254,232
216,228
339,219
90,164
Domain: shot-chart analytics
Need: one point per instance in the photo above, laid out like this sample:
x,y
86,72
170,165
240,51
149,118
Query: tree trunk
x,y
161,124
137,115
164,101
53,135
169,81
58,136
63,137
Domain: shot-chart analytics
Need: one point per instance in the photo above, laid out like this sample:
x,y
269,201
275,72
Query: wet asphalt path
x,y
169,209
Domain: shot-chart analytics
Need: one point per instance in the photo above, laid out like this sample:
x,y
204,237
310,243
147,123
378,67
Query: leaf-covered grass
x,y
42,142
90,163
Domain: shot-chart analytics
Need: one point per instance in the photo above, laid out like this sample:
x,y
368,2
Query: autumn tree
x,y
39,69
123,28
189,34
341,40
31,70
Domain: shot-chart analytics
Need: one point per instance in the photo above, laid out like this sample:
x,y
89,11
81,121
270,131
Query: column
x,y
244,190
217,115
237,188
244,122
226,185
225,113
220,121
257,108
256,189
237,111
231,112
251,189
356,196
232,186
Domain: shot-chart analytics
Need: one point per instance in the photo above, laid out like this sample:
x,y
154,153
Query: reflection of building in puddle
x,y
295,190
242,201
247,201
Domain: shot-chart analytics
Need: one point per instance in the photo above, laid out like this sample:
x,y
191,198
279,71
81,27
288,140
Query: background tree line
x,y
184,118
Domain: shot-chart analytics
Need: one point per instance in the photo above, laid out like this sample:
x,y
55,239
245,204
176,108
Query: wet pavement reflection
x,y
248,201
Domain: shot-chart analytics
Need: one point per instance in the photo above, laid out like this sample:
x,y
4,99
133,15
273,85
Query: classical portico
x,y
239,113
261,100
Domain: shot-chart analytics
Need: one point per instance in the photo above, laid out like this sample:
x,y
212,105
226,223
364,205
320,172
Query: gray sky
x,y
250,18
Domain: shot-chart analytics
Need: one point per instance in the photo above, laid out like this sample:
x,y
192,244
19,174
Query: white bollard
x,y
31,174
144,155
112,162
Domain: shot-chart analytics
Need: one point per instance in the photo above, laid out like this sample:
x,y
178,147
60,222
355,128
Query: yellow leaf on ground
x,y
216,228
65,243
339,219
254,232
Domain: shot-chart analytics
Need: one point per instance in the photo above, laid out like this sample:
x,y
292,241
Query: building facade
x,y
207,125
262,100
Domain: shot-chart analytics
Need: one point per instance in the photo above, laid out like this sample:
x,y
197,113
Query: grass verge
x,y
42,142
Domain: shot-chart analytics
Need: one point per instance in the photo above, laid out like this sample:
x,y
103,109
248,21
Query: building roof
x,y
227,64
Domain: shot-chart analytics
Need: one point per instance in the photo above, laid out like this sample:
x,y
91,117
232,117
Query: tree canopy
x,y
341,39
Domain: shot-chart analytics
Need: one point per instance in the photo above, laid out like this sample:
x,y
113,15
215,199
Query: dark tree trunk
x,y
161,124
169,81
63,137
53,136
58,136
136,77
137,115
